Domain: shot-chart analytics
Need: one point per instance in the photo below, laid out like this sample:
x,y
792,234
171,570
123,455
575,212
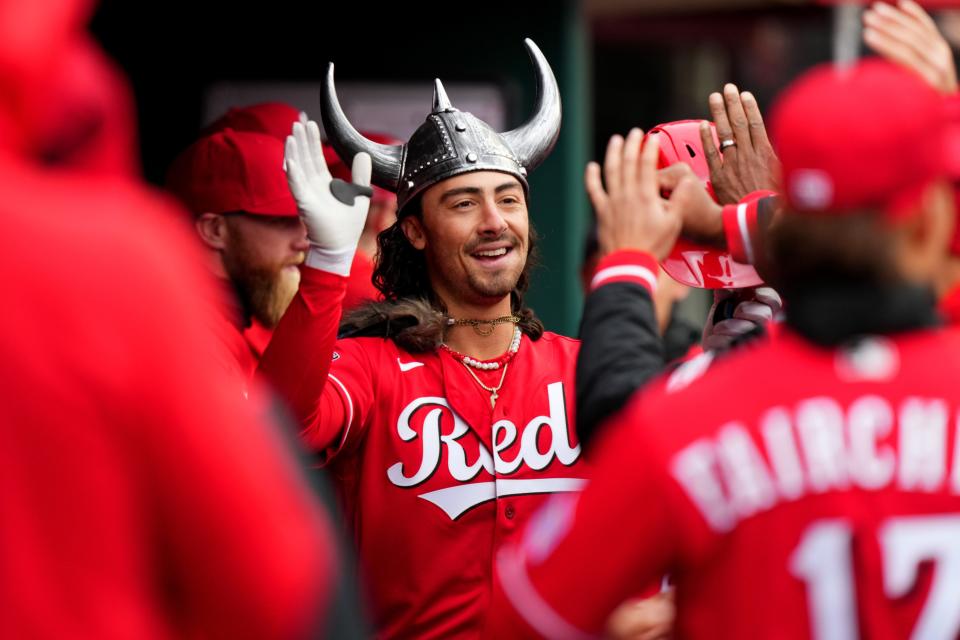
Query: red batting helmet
x,y
689,263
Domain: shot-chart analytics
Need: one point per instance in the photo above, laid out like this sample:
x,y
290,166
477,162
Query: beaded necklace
x,y
490,365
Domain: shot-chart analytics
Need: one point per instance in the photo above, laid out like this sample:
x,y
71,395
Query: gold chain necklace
x,y
492,390
488,325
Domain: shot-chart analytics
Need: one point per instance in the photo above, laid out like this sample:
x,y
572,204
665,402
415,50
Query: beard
x,y
492,285
264,290
497,284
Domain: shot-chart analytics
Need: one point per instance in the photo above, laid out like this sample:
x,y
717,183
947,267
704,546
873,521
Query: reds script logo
x,y
456,500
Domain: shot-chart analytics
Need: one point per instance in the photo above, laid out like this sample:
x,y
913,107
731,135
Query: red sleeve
x,y
741,226
242,542
610,543
297,360
627,265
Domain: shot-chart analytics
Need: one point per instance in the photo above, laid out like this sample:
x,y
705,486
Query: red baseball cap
x,y
872,136
272,118
690,263
339,169
232,171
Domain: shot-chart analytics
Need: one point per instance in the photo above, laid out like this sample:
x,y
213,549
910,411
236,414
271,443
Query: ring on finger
x,y
724,145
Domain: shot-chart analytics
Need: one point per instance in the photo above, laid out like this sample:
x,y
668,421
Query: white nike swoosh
x,y
407,366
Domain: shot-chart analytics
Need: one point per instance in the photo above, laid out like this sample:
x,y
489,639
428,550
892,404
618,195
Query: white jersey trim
x,y
346,394
744,231
528,602
632,270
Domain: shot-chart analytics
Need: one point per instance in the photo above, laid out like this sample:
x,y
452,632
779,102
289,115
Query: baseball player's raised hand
x,y
333,211
631,214
702,218
907,35
745,161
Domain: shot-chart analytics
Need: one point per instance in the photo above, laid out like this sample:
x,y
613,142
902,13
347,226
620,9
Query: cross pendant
x,y
493,399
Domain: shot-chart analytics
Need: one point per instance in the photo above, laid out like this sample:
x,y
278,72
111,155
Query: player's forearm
x,y
621,348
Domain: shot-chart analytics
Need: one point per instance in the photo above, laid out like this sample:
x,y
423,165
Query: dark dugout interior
x,y
617,69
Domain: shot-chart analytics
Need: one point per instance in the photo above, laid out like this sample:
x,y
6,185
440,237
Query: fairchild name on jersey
x,y
819,446
457,499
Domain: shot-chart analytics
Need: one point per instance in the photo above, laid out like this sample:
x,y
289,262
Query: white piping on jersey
x,y
346,394
744,231
633,270
528,602
691,370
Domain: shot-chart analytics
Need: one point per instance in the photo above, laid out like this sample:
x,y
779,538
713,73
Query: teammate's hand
x,y
750,163
647,619
333,211
751,308
630,212
701,217
908,36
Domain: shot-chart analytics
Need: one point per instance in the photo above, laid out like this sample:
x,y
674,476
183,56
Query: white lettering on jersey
x,y
869,444
923,440
696,471
782,448
750,486
820,426
870,419
457,499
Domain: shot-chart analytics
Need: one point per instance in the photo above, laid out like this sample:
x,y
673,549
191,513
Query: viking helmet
x,y
450,142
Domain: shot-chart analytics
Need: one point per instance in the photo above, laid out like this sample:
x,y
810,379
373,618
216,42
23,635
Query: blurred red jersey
x,y
822,503
141,496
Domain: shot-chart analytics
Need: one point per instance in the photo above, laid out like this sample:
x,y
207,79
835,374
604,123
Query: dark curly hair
x,y
400,274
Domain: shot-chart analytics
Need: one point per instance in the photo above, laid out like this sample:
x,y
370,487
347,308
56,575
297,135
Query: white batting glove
x,y
333,211
760,308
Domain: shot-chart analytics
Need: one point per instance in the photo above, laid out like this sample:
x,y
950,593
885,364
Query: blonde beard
x,y
269,305
265,293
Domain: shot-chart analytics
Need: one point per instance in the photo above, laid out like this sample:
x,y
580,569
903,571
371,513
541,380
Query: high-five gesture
x,y
334,211
745,161
630,212
906,35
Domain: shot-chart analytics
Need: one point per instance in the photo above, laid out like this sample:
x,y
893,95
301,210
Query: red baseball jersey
x,y
141,496
257,336
792,492
432,478
949,306
236,352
